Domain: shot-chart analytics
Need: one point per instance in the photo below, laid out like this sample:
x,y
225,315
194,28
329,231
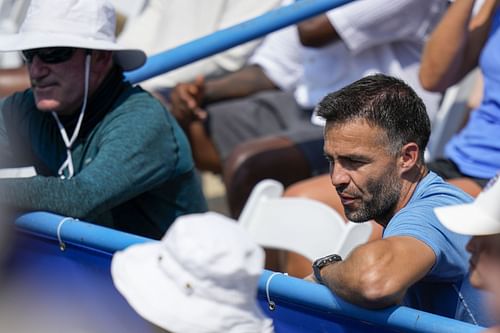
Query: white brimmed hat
x,y
482,217
202,277
88,24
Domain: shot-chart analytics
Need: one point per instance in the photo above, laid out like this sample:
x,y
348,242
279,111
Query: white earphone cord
x,y
68,163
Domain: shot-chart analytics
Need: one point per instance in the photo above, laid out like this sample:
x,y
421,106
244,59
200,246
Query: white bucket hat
x,y
482,217
202,277
88,24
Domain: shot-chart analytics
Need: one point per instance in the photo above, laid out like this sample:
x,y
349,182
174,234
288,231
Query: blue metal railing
x,y
230,37
73,231
314,302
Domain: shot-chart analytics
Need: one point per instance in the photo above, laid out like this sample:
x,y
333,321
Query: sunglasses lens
x,y
52,55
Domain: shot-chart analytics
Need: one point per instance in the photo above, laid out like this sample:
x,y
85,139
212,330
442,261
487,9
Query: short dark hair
x,y
383,101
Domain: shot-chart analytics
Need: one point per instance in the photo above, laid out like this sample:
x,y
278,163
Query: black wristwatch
x,y
322,262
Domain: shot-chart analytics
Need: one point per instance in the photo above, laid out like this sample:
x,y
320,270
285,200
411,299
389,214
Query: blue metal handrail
x,y
289,290
230,37
284,290
76,232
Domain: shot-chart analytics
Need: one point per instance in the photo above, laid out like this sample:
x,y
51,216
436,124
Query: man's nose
x,y
339,175
37,68
473,244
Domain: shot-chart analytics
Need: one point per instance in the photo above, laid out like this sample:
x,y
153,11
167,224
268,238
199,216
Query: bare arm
x,y
455,45
377,274
317,32
247,81
187,98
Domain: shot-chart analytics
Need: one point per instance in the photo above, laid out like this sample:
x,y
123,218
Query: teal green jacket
x,y
133,170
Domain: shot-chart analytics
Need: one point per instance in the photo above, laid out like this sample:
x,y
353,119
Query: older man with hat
x,y
103,150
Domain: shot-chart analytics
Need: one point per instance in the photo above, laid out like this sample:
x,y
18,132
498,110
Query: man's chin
x,y
47,105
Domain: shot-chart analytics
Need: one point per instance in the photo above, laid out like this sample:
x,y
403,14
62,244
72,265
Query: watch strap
x,y
322,262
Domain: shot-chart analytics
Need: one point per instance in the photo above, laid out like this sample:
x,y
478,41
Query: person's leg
x,y
450,172
467,185
233,122
13,80
265,158
205,154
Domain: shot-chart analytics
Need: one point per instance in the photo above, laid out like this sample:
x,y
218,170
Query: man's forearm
x,y
247,81
52,194
317,32
349,282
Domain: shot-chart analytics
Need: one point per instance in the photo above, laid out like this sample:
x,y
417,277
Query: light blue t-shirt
x,y
442,289
476,149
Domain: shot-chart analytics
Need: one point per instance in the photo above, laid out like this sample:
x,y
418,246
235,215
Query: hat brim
x,y
467,219
138,277
128,59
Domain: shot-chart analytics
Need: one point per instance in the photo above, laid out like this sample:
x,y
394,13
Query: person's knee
x,y
467,185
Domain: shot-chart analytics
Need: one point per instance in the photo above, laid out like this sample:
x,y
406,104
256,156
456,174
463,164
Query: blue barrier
x,y
75,284
230,37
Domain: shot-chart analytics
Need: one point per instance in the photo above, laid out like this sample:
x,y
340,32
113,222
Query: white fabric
x,y
377,36
72,23
202,277
166,24
482,217
12,14
280,56
129,8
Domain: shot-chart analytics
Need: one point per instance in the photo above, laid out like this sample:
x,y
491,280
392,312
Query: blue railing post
x,y
230,37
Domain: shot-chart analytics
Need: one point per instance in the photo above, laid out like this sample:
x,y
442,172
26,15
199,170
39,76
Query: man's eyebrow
x,y
356,157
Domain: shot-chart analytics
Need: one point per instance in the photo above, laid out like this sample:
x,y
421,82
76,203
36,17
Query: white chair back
x,y
301,225
450,116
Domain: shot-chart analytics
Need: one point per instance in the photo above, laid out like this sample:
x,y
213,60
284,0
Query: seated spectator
x,y
201,277
481,220
375,135
458,45
156,29
104,151
275,94
451,52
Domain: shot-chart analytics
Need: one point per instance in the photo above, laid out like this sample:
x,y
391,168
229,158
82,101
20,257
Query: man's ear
x,y
410,154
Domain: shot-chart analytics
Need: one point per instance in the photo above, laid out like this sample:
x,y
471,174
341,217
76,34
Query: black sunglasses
x,y
49,55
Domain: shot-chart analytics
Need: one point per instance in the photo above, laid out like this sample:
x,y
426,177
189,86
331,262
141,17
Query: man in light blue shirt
x,y
375,135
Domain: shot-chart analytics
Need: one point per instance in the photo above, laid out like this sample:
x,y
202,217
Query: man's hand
x,y
186,100
311,278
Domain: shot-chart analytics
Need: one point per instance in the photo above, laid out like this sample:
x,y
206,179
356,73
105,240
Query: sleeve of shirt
x,y
5,151
13,150
235,12
364,24
139,150
279,56
421,223
231,12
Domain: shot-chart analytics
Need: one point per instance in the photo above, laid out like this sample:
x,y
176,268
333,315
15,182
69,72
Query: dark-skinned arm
x,y
377,274
187,99
247,81
317,32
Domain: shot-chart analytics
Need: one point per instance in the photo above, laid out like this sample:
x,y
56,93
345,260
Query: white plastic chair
x,y
301,225
450,116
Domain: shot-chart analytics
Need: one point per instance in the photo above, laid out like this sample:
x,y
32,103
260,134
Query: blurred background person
x,y
480,219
